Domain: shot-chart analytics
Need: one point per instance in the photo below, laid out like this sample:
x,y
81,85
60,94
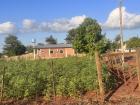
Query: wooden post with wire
x,y
121,31
53,81
121,36
99,74
138,65
2,84
34,49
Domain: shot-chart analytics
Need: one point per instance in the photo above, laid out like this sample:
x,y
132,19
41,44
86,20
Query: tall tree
x,y
133,42
13,46
29,49
51,40
40,44
70,36
117,41
0,55
88,37
118,38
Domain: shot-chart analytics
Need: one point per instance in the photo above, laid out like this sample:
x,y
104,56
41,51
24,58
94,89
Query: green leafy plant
x,y
69,77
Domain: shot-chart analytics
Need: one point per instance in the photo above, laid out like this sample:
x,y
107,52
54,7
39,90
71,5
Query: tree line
x,y
86,38
13,46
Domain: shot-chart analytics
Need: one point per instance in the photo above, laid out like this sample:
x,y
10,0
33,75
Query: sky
x,y
38,19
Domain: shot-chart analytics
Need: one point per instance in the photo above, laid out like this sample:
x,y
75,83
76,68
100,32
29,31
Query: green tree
x,y
0,55
29,49
88,37
13,46
113,46
116,44
133,42
117,41
118,38
51,40
40,44
70,36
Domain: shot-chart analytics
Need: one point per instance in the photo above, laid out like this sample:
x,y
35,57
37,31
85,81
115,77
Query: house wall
x,y
57,53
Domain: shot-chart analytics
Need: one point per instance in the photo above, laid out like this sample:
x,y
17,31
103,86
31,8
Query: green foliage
x,y
71,35
69,77
13,46
113,46
109,80
117,43
29,49
1,55
51,40
133,42
88,37
40,44
79,42
118,39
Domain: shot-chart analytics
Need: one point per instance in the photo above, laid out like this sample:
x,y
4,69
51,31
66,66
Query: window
x,y
41,51
51,51
61,51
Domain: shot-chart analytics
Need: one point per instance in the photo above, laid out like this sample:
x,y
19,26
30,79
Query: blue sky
x,y
25,18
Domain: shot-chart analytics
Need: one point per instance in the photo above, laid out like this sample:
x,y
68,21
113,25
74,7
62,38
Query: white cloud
x,y
63,25
130,20
7,28
30,25
77,20
59,25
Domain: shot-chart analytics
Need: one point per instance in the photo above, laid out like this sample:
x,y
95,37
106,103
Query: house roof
x,y
53,46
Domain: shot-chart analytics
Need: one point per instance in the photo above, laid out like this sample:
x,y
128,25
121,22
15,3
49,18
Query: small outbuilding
x,y
54,51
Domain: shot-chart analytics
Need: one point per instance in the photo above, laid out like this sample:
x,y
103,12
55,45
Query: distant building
x,y
54,51
125,49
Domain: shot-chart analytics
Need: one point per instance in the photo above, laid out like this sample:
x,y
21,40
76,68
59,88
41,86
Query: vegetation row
x,y
64,77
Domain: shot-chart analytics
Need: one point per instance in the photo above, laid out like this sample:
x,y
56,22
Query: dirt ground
x,y
70,101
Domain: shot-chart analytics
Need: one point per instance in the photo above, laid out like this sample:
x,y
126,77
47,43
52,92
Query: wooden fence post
x,y
99,73
53,80
138,64
2,84
36,87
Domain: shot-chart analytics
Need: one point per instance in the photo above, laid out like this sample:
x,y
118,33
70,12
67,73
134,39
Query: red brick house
x,y
54,51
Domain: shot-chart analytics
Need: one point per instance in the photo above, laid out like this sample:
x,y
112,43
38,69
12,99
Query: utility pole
x,y
121,31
